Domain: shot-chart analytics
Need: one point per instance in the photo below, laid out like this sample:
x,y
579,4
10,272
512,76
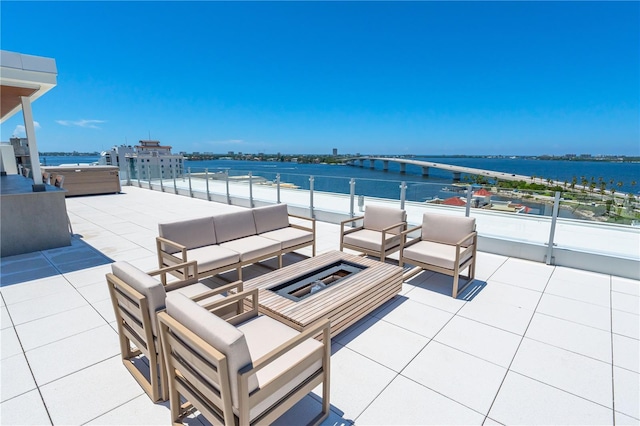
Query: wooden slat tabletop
x,y
362,289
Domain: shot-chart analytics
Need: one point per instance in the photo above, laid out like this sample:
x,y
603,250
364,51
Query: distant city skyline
x,y
388,78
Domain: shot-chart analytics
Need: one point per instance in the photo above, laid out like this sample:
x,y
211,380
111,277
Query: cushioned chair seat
x,y
432,253
289,237
263,334
371,240
252,247
212,257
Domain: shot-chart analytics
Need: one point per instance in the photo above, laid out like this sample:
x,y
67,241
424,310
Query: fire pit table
x,y
334,285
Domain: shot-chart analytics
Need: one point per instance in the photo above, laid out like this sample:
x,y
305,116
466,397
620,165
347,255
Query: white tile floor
x,y
537,345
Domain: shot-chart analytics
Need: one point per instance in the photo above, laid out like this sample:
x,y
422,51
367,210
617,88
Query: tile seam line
x,y
520,344
613,379
24,355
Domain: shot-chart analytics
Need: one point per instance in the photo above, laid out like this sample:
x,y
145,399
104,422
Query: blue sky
x,y
512,78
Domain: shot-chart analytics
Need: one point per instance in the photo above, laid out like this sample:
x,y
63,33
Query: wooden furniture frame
x,y
344,303
383,233
180,255
135,331
200,373
468,244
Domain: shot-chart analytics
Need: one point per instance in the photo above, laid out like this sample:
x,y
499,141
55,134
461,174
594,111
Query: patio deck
x,y
537,344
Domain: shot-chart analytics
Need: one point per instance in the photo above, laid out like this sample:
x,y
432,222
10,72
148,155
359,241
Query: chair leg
x,y
456,278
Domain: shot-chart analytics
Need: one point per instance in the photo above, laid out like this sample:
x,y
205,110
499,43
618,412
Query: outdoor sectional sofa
x,y
230,241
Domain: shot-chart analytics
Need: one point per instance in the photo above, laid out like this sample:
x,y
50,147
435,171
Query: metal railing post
x,y
161,182
251,190
467,211
190,190
311,179
175,187
138,175
403,194
206,176
149,173
352,196
278,187
226,179
552,232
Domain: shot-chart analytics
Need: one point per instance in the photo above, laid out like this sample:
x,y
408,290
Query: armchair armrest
x,y
344,222
245,372
472,235
404,243
239,299
236,285
397,225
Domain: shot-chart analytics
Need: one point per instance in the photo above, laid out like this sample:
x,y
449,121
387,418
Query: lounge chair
x,y
378,235
447,244
249,369
136,298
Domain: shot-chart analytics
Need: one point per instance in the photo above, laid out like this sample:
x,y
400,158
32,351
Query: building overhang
x,y
23,76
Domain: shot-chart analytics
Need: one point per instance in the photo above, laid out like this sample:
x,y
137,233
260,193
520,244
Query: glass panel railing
x,y
588,220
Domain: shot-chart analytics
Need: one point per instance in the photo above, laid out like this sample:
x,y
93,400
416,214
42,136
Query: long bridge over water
x,y
426,165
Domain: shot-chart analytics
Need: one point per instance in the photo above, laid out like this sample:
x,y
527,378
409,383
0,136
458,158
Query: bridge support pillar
x,y
361,161
403,168
385,165
425,171
371,163
456,176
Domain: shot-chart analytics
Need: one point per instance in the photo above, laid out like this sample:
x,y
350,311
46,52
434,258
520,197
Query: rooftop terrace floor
x,y
537,344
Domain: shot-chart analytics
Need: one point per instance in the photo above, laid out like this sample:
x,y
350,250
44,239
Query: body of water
x,y
376,181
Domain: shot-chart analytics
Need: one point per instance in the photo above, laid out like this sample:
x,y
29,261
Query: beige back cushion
x,y
377,218
223,336
270,218
231,226
191,233
148,286
446,229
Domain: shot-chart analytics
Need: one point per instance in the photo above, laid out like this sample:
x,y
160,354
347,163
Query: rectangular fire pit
x,y
334,285
317,280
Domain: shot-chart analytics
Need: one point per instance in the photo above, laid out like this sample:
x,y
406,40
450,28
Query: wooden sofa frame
x,y
180,256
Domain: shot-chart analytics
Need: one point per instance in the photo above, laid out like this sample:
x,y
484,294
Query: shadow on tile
x,y
41,264
443,284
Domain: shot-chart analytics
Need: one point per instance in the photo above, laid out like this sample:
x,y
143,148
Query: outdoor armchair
x,y
249,369
137,296
447,244
379,234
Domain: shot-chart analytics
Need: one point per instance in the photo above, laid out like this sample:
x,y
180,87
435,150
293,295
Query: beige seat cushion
x,y
212,257
190,233
252,247
231,226
377,218
147,285
289,237
269,218
226,338
432,253
264,334
371,240
445,228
